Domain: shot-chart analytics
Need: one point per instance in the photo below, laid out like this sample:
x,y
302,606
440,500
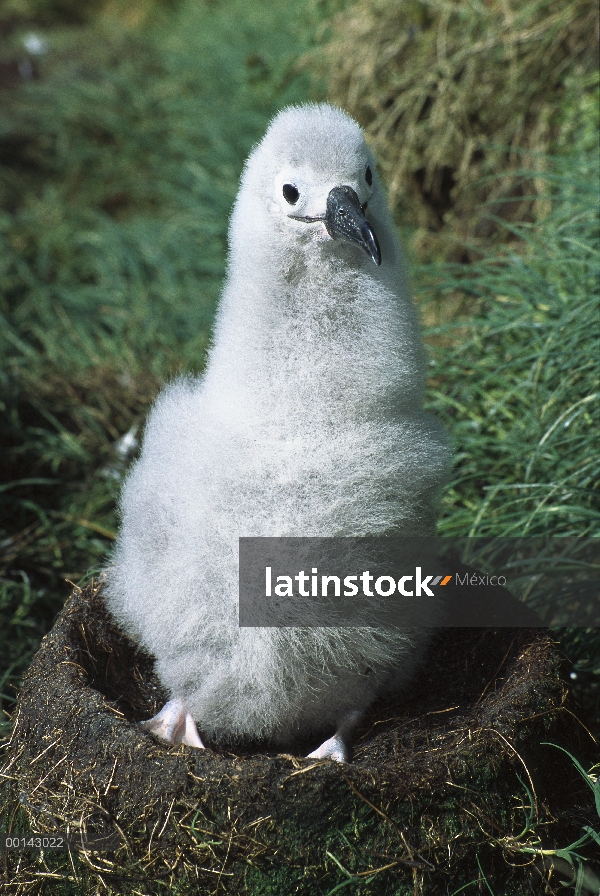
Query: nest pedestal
x,y
431,768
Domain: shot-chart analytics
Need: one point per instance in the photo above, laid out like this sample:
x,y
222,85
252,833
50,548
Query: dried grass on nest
x,y
459,100
81,764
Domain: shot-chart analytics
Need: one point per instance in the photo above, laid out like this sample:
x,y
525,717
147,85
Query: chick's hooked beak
x,y
345,220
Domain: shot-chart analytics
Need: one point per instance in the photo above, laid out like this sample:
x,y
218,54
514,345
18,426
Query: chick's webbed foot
x,y
174,725
334,748
338,746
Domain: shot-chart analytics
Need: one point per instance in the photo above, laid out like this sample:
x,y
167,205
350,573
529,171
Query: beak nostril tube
x,y
345,220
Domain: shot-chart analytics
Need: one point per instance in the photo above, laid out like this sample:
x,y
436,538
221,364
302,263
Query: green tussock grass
x,y
516,380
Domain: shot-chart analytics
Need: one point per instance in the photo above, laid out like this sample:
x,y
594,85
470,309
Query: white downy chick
x,y
308,421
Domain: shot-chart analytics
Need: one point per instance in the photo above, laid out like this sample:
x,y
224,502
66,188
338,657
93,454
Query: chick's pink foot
x,y
338,746
174,725
334,748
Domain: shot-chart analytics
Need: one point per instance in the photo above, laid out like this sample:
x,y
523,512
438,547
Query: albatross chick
x,y
308,421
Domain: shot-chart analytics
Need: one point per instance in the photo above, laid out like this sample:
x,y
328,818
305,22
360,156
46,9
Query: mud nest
x,y
431,769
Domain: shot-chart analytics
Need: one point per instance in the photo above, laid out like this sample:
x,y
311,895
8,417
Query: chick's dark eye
x,y
369,176
290,194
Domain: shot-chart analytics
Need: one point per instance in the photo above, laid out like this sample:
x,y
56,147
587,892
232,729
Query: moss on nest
x,y
253,822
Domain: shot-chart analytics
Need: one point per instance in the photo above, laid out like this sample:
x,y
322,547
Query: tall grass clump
x,y
119,162
451,93
516,381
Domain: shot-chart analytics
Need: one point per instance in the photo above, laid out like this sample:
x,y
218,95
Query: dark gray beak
x,y
345,220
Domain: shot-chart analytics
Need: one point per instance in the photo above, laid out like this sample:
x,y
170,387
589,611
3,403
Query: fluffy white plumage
x,y
308,421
